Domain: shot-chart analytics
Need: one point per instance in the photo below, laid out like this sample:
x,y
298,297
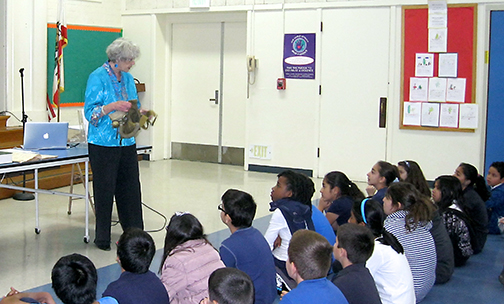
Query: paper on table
x,y
24,156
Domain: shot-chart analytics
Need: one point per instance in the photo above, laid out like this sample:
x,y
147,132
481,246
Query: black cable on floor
x,y
114,223
162,215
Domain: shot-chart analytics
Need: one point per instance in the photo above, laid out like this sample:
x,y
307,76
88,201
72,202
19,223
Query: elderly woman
x,y
113,158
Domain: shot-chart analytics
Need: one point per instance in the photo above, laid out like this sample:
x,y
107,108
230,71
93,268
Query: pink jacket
x,y
185,273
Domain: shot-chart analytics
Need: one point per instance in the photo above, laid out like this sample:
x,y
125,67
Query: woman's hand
x,y
122,105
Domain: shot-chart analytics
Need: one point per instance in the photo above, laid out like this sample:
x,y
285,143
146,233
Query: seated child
x,y
475,196
410,172
388,264
380,177
495,205
291,212
246,249
135,250
447,194
354,245
309,259
229,286
74,280
188,259
338,194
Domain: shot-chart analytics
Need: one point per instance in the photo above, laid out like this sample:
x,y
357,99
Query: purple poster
x,y
299,56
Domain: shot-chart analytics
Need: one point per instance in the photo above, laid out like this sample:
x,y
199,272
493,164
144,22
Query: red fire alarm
x,y
281,84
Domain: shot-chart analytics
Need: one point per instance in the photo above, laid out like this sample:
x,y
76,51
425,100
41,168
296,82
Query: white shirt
x,y
278,227
392,275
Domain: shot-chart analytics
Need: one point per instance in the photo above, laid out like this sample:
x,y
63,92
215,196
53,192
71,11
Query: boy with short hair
x,y
309,260
229,286
354,245
74,279
495,204
135,250
246,249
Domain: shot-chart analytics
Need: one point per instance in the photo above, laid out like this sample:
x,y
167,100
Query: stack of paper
x,y
5,157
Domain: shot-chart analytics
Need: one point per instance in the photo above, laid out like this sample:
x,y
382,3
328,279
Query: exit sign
x,y
262,152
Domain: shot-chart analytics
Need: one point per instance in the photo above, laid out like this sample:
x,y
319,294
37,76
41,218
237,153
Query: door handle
x,y
216,97
383,112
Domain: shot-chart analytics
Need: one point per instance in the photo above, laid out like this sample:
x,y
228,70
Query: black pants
x,y
115,173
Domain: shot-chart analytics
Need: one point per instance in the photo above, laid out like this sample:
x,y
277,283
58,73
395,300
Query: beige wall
x,y
146,21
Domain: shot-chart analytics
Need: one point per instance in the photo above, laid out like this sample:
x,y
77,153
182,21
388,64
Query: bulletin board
x,y
84,53
461,39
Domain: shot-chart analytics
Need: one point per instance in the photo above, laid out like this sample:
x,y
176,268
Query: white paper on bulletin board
x,y
448,63
437,89
430,114
468,116
424,65
455,89
448,116
412,113
418,89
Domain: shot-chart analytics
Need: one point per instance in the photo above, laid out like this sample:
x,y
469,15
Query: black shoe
x,y
102,246
501,277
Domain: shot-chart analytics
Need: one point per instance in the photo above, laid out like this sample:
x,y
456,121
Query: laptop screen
x,y
45,135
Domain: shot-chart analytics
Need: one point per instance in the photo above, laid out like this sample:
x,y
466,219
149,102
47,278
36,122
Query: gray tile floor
x,y
26,258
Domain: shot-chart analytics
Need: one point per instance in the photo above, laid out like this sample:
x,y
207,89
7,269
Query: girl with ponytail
x,y
388,264
475,196
409,215
337,196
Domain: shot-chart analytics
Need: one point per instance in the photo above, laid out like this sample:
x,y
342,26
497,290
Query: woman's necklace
x,y
119,87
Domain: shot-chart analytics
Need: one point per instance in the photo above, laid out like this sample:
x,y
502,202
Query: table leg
x,y
86,189
37,226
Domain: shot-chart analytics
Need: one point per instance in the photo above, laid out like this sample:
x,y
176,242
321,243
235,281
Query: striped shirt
x,y
419,249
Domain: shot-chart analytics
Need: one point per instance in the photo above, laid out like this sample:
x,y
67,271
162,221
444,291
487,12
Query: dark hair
x,y
388,171
499,166
415,176
477,181
357,240
300,185
230,286
240,207
420,209
181,228
135,250
74,279
311,254
451,192
375,216
346,186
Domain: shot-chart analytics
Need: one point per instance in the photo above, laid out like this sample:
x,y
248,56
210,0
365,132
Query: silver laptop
x,y
45,135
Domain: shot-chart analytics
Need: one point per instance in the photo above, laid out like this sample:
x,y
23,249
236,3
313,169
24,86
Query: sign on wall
x,y
299,56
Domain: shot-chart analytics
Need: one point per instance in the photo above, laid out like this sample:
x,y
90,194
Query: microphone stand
x,y
23,196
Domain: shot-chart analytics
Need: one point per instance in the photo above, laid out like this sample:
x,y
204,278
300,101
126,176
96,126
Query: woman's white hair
x,y
121,49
